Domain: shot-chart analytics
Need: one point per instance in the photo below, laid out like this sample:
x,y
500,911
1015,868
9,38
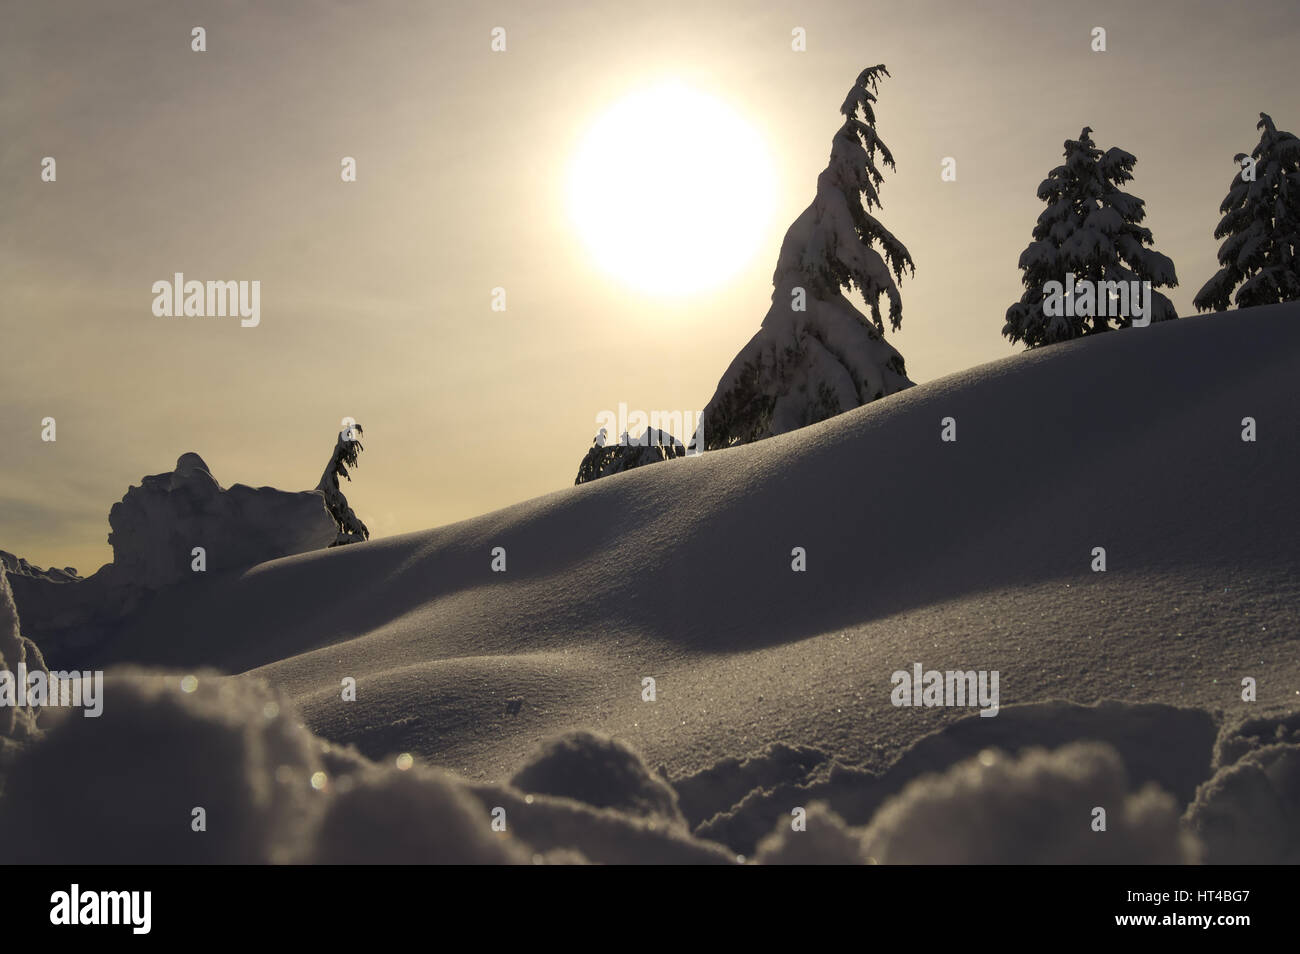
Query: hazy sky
x,y
376,294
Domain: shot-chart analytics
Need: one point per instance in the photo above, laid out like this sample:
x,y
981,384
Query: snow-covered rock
x,y
157,525
155,529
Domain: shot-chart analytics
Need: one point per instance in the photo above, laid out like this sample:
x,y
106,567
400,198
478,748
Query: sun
x,y
671,190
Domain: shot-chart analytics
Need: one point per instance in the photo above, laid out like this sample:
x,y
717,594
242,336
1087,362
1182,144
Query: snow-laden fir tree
x,y
1260,226
1092,230
816,355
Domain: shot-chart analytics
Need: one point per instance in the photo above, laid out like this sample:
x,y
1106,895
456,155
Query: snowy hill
x,y
1131,441
970,555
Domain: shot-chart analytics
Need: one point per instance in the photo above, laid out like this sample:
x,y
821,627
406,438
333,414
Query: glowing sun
x,y
671,190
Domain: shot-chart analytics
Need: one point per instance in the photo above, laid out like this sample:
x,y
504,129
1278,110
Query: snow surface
x,y
773,687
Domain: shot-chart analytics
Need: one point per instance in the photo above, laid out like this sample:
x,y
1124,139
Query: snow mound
x,y
598,771
156,526
1040,808
1249,811
1068,806
155,754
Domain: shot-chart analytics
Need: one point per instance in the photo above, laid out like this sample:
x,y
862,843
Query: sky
x,y
376,295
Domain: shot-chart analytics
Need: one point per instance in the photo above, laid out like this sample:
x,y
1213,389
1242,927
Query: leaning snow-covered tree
x,y
1091,230
1260,226
347,453
815,355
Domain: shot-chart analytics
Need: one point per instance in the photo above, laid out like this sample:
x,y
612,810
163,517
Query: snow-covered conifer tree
x,y
1260,227
1091,230
815,355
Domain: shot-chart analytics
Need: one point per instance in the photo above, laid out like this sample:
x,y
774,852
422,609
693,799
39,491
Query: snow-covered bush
x,y
602,459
